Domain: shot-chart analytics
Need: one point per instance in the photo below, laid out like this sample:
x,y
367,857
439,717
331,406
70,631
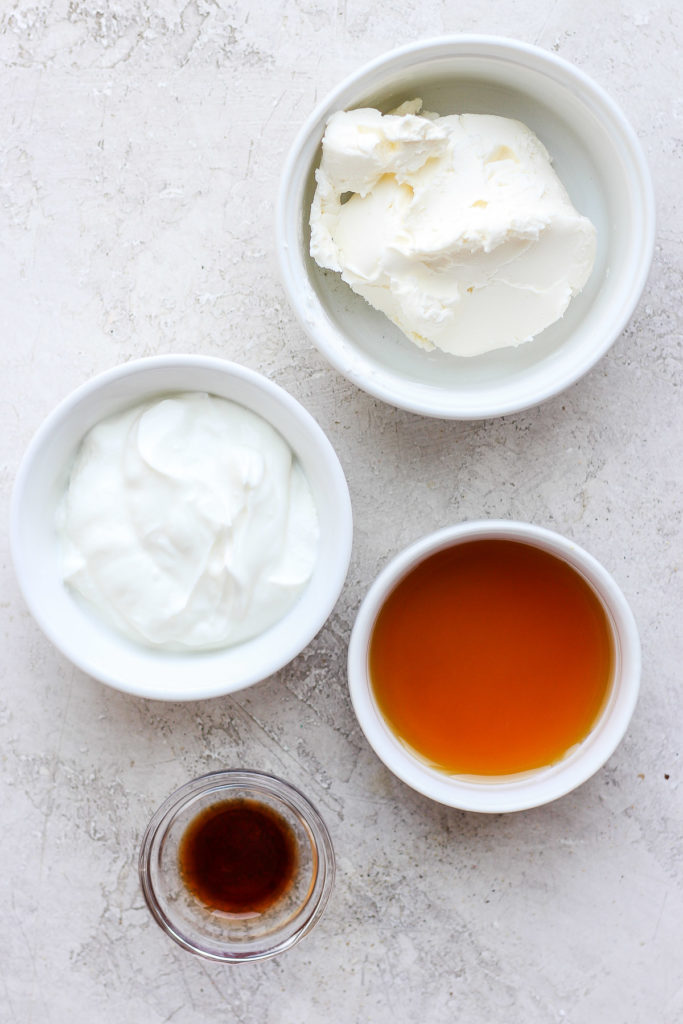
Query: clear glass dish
x,y
216,934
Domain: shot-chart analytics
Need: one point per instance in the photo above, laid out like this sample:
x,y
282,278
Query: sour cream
x,y
187,523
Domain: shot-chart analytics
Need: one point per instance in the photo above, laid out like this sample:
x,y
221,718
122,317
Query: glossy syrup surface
x,y
238,856
491,658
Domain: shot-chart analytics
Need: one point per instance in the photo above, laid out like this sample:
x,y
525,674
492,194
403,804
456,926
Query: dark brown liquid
x,y
238,856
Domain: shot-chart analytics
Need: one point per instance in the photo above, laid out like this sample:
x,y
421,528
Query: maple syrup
x,y
491,657
238,856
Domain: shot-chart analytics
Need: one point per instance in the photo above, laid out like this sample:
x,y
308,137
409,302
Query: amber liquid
x,y
238,856
491,658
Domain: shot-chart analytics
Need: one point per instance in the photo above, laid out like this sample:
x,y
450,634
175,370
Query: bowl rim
x,y
332,343
507,793
296,640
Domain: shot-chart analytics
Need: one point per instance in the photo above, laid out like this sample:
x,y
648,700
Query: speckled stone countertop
x,y
140,151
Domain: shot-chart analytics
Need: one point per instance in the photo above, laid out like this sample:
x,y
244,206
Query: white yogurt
x,y
188,523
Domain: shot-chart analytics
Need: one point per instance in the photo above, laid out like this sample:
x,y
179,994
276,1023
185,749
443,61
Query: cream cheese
x,y
457,227
187,523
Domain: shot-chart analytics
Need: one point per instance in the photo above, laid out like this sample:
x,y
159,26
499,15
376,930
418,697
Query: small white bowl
x,y
596,155
511,792
79,634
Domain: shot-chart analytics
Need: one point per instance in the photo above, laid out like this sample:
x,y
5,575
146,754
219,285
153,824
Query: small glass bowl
x,y
215,934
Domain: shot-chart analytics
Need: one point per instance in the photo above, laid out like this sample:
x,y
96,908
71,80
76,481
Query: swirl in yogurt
x,y
187,523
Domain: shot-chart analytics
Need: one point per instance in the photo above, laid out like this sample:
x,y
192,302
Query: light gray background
x,y
141,148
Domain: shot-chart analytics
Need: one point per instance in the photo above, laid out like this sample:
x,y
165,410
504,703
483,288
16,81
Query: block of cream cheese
x,y
187,523
456,227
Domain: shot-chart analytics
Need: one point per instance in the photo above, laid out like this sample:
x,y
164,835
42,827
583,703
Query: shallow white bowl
x,y
511,792
78,633
596,155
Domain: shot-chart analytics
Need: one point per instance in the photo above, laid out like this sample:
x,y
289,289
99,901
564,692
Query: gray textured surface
x,y
141,148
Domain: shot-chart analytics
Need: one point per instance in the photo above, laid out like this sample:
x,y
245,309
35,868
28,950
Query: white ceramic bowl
x,y
528,789
596,155
78,633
